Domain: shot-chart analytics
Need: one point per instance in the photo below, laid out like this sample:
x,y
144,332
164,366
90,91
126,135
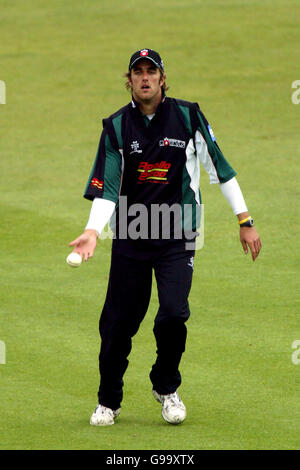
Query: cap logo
x,y
144,52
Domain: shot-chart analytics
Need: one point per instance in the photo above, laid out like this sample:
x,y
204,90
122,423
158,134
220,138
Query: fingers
x,y
253,253
84,245
78,241
250,238
88,255
78,247
255,247
245,247
84,252
259,244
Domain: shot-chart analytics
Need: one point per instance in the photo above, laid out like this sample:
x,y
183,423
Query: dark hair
x,y
128,87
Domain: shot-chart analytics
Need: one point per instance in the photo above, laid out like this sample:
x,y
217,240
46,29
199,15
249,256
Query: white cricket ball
x,y
74,260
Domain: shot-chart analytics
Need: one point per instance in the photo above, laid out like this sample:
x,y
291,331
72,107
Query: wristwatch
x,y
249,222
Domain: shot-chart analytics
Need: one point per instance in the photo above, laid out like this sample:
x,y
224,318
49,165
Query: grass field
x,y
62,63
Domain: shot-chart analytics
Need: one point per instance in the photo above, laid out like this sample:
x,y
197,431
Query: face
x,y
146,81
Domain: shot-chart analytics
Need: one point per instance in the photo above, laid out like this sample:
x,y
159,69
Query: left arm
x,y
220,171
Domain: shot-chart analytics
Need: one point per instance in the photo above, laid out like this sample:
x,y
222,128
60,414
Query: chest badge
x,y
135,147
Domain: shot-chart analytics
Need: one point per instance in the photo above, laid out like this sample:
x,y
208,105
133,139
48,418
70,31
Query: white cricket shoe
x,y
173,410
104,416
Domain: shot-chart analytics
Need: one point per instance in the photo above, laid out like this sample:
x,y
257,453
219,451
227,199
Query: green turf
x,y
62,63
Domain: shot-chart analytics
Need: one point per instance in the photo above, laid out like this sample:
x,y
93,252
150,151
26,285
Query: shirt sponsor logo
x,y
166,142
154,172
135,147
97,183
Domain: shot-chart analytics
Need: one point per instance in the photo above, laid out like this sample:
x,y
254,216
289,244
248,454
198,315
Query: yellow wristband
x,y
244,220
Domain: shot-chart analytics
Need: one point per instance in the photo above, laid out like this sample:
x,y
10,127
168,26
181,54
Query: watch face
x,y
249,223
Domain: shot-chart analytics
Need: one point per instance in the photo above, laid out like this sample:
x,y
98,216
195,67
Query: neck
x,y
148,106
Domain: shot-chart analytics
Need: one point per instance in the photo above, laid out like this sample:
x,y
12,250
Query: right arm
x,y
101,212
103,189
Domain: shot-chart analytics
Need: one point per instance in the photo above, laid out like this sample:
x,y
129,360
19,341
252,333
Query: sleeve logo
x,y
211,133
97,183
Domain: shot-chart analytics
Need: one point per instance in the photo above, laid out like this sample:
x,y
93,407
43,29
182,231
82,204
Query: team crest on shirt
x,y
135,146
167,142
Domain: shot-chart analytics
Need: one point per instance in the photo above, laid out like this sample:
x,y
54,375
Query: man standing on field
x,y
149,154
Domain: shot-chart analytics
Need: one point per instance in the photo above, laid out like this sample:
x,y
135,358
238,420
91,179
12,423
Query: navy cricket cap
x,y
149,54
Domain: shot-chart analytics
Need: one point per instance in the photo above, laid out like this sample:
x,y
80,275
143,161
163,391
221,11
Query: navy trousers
x,y
127,300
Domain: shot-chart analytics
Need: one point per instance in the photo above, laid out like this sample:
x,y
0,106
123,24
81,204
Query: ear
x,y
162,80
129,81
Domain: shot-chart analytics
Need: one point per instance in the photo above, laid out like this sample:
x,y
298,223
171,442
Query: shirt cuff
x,y
101,212
232,192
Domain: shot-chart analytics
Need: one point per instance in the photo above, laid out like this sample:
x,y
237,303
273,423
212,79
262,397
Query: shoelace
x,y
173,400
103,409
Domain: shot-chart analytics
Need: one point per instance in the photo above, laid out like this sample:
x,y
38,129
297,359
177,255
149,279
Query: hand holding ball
x,y
74,260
